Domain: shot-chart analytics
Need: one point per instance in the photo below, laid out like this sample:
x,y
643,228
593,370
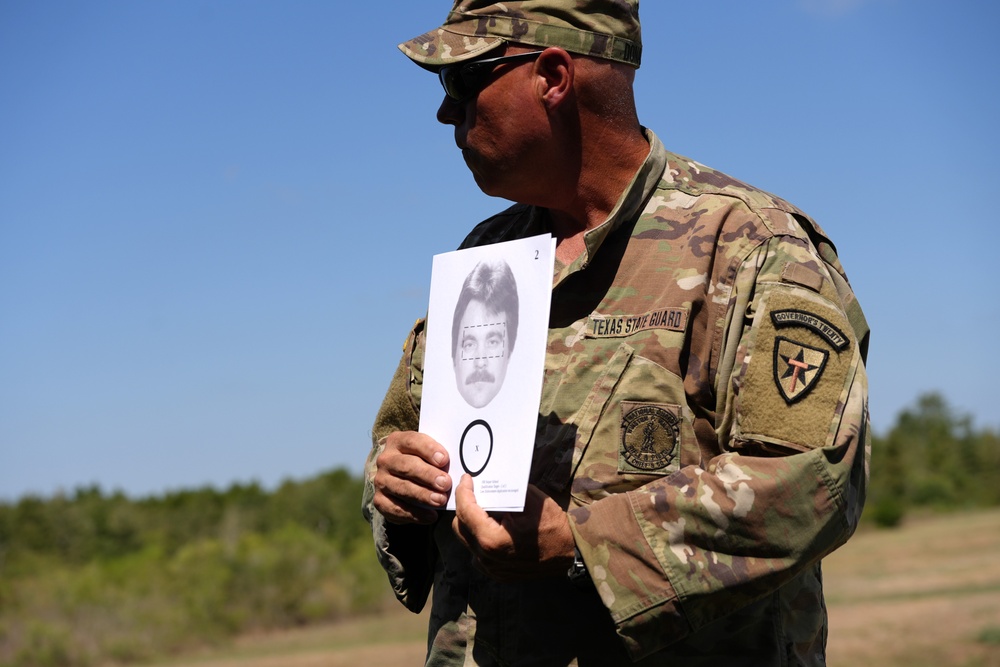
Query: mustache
x,y
480,376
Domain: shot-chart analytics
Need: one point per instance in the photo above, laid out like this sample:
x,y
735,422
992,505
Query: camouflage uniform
x,y
704,422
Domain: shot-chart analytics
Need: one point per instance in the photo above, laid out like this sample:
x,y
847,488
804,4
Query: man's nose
x,y
451,112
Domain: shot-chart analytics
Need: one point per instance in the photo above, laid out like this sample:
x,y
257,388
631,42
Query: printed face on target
x,y
481,357
484,331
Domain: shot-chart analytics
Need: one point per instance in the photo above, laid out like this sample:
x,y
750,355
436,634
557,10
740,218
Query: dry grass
x,y
390,640
919,596
925,595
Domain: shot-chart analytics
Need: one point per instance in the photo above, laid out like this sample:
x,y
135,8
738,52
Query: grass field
x,y
924,595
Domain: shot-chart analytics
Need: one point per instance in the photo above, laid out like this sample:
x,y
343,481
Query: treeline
x,y
932,459
93,577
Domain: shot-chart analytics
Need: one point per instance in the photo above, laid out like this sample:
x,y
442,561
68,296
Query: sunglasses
x,y
464,80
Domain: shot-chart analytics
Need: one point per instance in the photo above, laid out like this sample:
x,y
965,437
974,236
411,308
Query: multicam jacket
x,y
704,423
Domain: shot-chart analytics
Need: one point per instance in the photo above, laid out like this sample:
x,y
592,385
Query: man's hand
x,y
411,478
525,545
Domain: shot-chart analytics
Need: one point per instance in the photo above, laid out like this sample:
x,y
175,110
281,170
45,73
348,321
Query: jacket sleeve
x,y
405,552
788,483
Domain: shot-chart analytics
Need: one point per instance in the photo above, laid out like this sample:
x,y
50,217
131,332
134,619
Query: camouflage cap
x,y
603,28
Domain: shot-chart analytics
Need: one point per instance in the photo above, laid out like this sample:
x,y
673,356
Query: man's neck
x,y
603,180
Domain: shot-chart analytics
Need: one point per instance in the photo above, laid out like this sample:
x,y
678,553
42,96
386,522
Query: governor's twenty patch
x,y
801,361
797,368
811,321
649,436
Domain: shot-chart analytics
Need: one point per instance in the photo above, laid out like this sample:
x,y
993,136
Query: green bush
x,y
990,635
932,458
47,646
887,512
93,577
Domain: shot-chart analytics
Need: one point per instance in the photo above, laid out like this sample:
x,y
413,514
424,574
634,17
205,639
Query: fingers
x,y
396,510
420,445
466,513
535,497
488,541
537,542
470,515
411,478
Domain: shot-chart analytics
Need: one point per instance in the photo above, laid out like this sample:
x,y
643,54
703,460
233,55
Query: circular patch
x,y
649,437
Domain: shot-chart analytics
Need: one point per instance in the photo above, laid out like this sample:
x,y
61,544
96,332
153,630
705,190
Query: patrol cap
x,y
606,29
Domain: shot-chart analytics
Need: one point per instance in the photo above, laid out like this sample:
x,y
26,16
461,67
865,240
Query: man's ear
x,y
555,71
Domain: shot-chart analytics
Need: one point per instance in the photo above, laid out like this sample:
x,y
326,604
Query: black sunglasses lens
x,y
462,81
448,77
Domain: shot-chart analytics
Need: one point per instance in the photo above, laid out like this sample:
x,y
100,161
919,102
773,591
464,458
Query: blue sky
x,y
217,218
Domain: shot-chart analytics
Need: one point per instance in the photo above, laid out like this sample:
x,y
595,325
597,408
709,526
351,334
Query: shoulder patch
x,y
800,364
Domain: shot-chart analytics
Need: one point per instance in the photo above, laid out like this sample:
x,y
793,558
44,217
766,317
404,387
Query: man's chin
x,y
487,185
479,397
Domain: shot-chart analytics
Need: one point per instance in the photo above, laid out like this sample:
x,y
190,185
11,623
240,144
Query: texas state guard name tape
x,y
672,319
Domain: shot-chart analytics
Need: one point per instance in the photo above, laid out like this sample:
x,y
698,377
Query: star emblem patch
x,y
797,368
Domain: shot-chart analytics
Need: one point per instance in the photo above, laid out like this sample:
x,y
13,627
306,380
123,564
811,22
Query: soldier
x,y
702,435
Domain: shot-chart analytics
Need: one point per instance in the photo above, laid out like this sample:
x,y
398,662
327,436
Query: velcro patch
x,y
650,437
795,383
800,275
